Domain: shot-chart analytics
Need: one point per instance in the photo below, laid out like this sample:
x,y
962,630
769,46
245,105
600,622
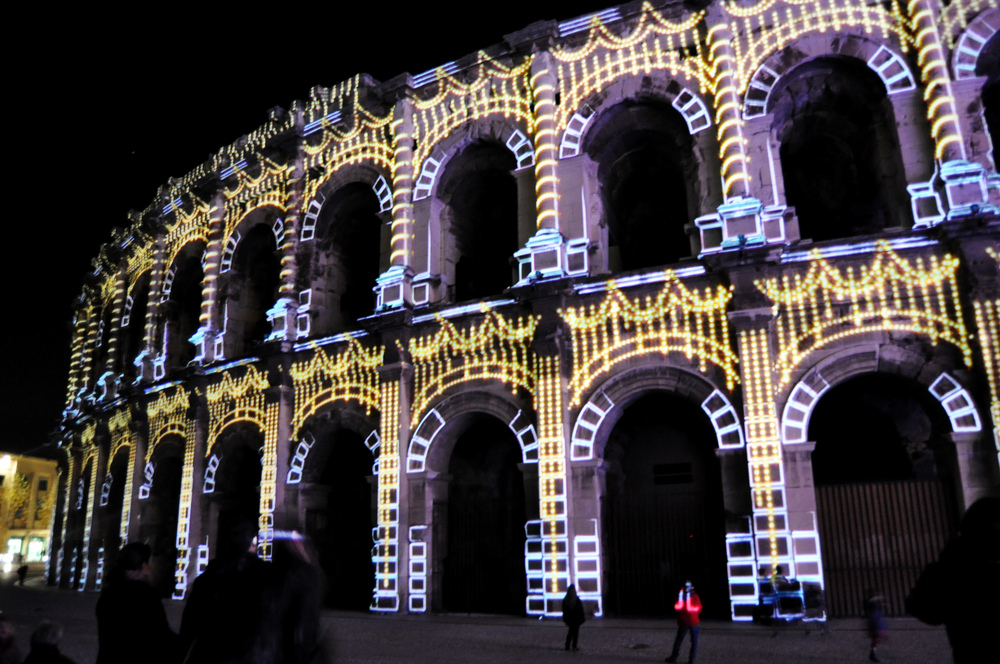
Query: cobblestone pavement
x,y
355,638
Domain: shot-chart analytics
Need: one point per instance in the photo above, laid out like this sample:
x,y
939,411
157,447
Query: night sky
x,y
103,108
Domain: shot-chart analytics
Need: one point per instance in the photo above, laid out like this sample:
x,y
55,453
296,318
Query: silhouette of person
x,y
573,616
688,608
45,645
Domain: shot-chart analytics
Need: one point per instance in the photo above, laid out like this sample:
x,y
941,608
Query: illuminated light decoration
x,y
349,372
520,146
463,310
172,205
726,423
573,134
494,90
587,423
543,88
653,44
268,484
764,28
741,570
383,193
826,304
417,590
988,327
769,524
67,491
551,526
858,249
99,577
436,74
800,405
639,280
308,230
91,499
428,175
298,462
208,486
497,348
106,489
953,17
303,321
693,110
941,112
147,484
587,568
957,402
677,319
587,22
202,559
729,122
316,125
327,341
72,565
385,553
127,313
966,51
432,424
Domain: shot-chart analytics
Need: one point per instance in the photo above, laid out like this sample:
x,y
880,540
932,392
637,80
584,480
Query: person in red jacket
x,y
688,609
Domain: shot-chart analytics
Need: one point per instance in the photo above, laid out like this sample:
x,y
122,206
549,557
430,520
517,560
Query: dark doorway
x,y
884,497
182,310
235,499
112,498
663,518
340,520
158,519
485,517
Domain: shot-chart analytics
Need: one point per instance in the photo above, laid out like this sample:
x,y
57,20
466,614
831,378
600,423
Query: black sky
x,y
103,108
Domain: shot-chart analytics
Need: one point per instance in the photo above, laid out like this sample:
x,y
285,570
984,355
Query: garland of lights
x,y
890,293
676,319
387,539
351,373
552,475
988,326
497,91
497,348
953,17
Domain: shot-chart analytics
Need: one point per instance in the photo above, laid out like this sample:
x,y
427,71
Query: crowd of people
x,y
244,610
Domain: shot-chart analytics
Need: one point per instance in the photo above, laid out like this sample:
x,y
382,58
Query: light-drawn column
x,y
282,315
386,552
394,285
207,343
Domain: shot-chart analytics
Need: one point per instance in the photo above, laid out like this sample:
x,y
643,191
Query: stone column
x,y
92,545
137,477
395,284
206,339
151,366
110,378
190,530
282,315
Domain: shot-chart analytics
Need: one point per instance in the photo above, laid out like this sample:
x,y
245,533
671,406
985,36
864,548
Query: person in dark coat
x,y
961,588
688,608
874,620
573,616
131,621
45,645
293,599
227,618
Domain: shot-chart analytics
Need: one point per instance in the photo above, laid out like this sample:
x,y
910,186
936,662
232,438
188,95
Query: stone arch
x,y
345,241
331,415
649,166
429,452
608,401
474,207
133,324
888,64
180,306
838,106
958,410
971,44
249,287
159,503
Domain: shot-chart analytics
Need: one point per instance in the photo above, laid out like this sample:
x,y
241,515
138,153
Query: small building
x,y
26,527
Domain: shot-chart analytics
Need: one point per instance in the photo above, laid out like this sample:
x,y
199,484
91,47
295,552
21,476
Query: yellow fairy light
x,y
676,319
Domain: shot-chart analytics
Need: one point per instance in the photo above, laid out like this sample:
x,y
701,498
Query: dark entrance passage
x,y
484,517
339,517
885,503
663,520
112,499
158,517
235,501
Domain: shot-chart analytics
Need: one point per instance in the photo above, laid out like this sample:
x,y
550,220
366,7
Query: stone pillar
x,y
544,254
110,379
394,285
190,526
92,545
76,377
282,315
150,363
209,345
970,460
137,477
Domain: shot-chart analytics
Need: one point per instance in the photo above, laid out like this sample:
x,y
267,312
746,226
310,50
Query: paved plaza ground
x,y
357,638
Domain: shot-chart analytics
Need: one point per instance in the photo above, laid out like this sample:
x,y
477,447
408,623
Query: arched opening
x,y
134,328
646,168
182,308
338,497
349,260
884,488
840,154
253,289
159,510
234,500
480,238
484,519
663,520
989,65
111,499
